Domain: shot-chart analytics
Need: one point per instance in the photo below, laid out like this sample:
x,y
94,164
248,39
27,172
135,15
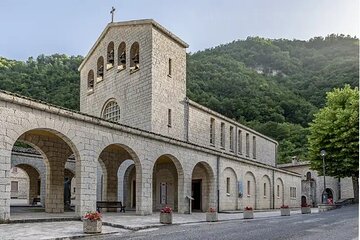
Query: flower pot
x,y
285,211
211,216
248,214
305,210
92,226
166,218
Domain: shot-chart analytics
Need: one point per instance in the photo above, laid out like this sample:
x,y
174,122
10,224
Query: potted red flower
x,y
211,215
166,215
248,212
285,210
92,222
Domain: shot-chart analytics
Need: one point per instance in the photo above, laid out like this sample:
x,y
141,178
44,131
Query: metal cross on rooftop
x,y
112,13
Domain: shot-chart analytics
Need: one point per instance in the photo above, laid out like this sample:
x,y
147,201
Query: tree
x,y
335,129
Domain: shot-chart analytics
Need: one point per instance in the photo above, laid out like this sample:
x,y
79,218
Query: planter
x,y
248,214
92,226
166,218
285,211
305,210
211,216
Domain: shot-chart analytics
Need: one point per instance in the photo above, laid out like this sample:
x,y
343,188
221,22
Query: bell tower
x,y
135,74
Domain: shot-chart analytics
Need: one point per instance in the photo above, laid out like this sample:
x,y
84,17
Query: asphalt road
x,y
340,224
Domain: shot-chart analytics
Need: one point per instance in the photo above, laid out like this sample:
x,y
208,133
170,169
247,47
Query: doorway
x,y
196,194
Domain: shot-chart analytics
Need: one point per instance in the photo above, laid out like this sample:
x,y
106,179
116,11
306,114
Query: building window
x,y
239,142
90,82
112,112
110,56
222,137
14,186
254,147
231,138
278,191
308,176
169,117
228,185
212,131
264,189
247,144
100,69
134,57
170,67
122,56
292,192
248,188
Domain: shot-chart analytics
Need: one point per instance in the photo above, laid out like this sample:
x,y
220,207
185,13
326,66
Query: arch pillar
x,y
144,196
86,180
5,165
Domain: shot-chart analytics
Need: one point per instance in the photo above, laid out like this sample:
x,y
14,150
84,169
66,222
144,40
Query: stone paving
x,y
114,223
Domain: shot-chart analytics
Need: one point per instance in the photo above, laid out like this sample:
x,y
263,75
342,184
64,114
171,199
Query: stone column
x,y
54,201
5,156
86,180
144,188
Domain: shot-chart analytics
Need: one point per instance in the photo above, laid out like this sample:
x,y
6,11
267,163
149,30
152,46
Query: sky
x,y
34,27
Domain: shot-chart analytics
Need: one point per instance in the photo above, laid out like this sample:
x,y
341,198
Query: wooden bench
x,y
35,201
105,204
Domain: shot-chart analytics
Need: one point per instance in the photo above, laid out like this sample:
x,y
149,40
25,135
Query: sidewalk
x,y
118,223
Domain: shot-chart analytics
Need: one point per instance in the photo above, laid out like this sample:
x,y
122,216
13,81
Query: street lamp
x,y
324,195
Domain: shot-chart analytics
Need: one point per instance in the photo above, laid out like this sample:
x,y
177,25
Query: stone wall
x,y
131,90
262,150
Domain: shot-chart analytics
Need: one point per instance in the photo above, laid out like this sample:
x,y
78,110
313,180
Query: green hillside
x,y
274,86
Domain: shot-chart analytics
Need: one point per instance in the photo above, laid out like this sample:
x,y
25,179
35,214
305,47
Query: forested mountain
x,y
274,86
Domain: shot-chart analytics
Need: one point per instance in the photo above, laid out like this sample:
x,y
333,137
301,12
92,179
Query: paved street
x,y
337,224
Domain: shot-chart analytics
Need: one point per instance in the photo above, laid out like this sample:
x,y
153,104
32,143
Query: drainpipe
x,y
218,182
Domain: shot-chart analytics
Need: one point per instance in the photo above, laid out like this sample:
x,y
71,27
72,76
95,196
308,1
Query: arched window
x,y
100,69
308,176
111,111
110,55
122,56
134,57
90,81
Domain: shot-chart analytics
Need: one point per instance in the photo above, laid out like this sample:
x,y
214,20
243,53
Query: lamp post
x,y
324,195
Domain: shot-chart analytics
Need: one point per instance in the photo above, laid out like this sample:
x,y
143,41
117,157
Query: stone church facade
x,y
137,133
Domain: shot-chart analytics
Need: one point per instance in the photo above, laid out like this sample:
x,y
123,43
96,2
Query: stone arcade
x,y
136,122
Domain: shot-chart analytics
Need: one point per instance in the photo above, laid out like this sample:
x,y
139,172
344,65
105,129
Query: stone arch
x,y
203,187
330,194
279,195
34,178
122,56
250,196
90,81
304,200
127,192
100,68
168,181
229,190
110,55
264,193
134,56
110,158
55,148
